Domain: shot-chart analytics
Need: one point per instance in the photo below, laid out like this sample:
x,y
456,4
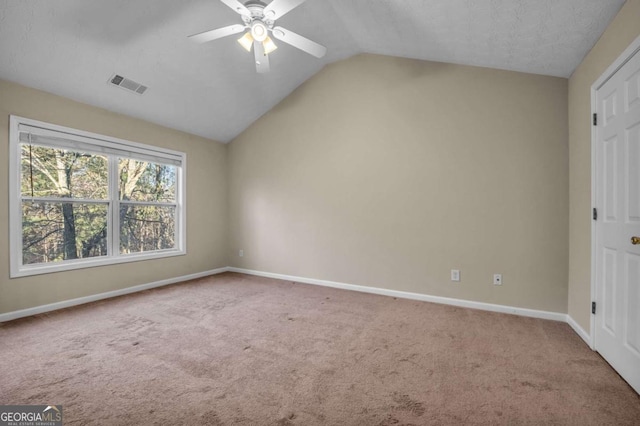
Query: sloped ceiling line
x,y
72,47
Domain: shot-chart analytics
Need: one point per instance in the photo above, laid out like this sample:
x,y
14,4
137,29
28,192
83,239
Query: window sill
x,y
69,265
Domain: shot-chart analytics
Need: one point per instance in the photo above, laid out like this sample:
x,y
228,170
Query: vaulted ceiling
x,y
72,48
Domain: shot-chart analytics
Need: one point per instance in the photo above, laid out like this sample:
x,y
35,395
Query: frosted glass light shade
x,y
246,41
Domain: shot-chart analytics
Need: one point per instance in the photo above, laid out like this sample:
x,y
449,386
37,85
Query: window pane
x,y
146,228
53,232
145,181
50,172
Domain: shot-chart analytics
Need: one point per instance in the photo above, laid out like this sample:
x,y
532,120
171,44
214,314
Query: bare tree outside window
x,y
65,205
147,216
64,208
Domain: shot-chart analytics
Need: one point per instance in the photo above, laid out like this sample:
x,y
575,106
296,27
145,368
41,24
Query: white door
x,y
617,320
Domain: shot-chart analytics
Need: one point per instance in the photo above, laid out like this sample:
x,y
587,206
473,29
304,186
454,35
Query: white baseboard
x,y
82,300
580,331
555,316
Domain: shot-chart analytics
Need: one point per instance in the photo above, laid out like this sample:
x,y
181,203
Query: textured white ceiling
x,y
72,47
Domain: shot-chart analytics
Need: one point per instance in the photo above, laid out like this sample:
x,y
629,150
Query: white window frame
x,y
102,143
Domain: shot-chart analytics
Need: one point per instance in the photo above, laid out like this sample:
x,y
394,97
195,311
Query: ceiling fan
x,y
259,19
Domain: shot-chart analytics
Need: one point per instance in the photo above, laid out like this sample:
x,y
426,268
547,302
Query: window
x,y
79,199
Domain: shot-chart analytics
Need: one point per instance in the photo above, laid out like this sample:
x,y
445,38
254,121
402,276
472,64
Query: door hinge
x,y
593,308
595,213
595,119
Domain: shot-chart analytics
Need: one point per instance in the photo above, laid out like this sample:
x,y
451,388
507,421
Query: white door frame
x,y
633,48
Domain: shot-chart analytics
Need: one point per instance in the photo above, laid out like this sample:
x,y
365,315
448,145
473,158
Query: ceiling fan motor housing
x,y
257,14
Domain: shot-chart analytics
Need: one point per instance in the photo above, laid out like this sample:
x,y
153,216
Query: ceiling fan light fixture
x,y
259,31
246,41
269,45
258,24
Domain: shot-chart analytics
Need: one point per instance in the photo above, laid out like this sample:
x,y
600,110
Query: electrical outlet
x,y
497,279
241,253
455,275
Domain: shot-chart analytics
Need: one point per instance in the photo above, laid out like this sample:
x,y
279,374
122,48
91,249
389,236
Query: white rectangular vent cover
x,y
127,84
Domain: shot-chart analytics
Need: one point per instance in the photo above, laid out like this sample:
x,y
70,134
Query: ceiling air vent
x,y
127,84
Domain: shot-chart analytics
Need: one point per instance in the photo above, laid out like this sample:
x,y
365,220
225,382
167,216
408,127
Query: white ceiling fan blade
x,y
216,34
278,8
302,43
262,59
237,7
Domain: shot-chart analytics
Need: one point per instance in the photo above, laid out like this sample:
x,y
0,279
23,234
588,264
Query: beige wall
x,y
206,202
378,171
389,172
620,33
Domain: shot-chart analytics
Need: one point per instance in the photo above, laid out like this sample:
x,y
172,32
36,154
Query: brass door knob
x,y
635,240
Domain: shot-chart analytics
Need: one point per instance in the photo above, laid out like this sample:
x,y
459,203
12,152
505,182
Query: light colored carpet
x,y
234,349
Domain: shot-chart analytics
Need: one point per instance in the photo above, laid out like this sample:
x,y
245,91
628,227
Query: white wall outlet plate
x,y
497,279
241,253
455,275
